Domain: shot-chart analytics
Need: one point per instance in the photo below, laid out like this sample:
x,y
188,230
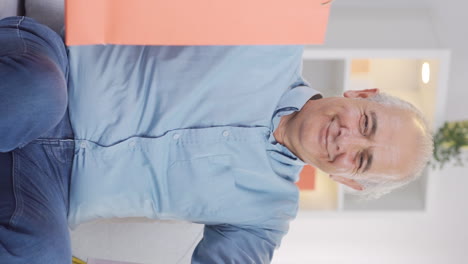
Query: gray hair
x,y
375,188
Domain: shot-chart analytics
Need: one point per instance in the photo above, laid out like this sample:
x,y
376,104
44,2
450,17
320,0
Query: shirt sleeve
x,y
231,244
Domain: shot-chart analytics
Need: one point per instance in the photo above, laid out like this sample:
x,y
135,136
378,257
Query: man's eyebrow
x,y
370,157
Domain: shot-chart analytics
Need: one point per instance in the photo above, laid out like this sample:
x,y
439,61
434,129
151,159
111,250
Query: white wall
x,y
451,20
440,234
379,28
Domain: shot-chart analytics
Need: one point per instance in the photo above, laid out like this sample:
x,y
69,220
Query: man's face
x,y
352,138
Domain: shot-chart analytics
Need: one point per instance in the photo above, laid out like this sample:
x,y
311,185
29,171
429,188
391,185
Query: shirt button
x,y
83,145
131,144
225,133
176,136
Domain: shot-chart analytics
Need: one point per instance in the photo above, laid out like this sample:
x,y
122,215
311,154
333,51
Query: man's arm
x,y
231,244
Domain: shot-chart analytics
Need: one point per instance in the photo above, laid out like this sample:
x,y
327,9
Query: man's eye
x,y
361,159
366,123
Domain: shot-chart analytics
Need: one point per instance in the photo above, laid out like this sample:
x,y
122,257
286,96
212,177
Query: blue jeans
x,y
36,144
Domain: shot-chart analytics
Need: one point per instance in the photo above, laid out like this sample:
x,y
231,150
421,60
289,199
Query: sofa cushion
x,y
47,12
10,8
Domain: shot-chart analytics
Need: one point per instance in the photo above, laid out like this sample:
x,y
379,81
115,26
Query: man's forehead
x,y
394,148
392,119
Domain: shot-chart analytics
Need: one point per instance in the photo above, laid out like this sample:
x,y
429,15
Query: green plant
x,y
449,141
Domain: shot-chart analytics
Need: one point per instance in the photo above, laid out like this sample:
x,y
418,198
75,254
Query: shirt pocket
x,y
199,187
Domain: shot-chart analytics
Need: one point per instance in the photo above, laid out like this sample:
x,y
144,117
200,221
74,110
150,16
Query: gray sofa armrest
x,y
11,8
47,12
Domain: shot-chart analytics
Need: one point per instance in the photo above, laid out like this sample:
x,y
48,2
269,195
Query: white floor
x,y
136,240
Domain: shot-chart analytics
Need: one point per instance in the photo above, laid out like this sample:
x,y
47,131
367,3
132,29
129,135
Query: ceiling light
x,y
425,73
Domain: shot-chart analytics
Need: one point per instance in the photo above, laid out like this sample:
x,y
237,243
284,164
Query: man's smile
x,y
325,140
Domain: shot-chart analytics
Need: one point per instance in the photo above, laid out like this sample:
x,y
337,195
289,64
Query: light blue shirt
x,y
185,133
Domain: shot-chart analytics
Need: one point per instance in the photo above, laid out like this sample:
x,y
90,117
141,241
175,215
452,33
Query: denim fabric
x,y
38,145
34,67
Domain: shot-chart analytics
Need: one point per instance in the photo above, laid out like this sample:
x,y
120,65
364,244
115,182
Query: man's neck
x,y
285,133
280,132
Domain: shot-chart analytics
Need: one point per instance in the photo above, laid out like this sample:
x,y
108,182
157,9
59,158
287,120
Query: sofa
x,y
47,12
136,240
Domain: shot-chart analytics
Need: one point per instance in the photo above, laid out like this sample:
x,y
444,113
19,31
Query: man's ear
x,y
361,93
348,182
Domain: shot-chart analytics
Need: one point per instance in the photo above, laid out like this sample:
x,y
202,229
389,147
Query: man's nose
x,y
349,141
